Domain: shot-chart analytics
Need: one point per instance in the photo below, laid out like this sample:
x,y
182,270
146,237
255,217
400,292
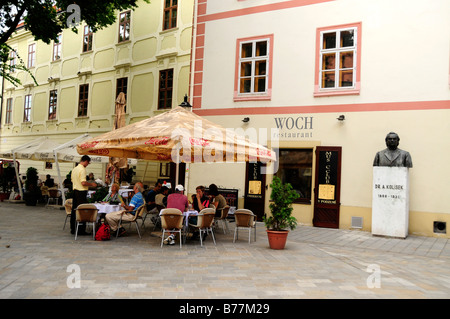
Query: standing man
x,y
80,188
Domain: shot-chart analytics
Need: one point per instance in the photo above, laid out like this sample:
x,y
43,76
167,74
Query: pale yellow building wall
x,y
149,50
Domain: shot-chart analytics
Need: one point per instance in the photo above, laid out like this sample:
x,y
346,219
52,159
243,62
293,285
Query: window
x,y
295,167
83,100
338,67
165,89
122,86
124,26
8,115
253,68
12,60
31,55
52,104
57,48
170,14
87,38
27,109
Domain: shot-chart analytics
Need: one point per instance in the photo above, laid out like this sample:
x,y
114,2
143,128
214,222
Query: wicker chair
x,y
138,215
205,221
68,208
171,222
53,194
245,219
223,219
86,213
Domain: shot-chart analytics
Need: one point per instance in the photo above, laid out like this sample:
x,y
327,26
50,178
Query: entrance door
x,y
255,189
327,189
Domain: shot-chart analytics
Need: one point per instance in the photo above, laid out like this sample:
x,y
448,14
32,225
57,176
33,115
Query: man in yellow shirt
x,y
80,188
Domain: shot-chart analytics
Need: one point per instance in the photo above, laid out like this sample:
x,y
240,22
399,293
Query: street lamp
x,y
185,103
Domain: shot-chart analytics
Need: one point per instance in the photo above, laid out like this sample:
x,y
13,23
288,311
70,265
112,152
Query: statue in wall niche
x,y
392,156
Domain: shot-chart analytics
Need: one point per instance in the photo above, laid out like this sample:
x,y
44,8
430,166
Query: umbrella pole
x,y
19,184
178,166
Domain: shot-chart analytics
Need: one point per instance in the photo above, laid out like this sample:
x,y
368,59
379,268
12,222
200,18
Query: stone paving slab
x,y
39,260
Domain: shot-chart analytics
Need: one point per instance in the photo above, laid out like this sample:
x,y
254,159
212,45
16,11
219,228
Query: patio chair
x,y
171,222
86,213
245,219
53,194
223,219
205,221
68,208
138,215
155,211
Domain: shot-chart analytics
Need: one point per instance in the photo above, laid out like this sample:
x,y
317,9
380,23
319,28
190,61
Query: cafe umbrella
x,y
177,136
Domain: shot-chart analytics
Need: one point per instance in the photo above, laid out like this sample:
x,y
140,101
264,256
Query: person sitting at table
x,y
49,182
199,201
217,199
129,210
113,197
176,200
150,199
161,198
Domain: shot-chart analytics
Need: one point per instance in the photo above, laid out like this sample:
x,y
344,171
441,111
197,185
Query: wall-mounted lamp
x,y
246,119
341,118
185,103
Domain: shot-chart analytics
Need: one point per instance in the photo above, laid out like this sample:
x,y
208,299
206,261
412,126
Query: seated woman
x,y
217,199
113,198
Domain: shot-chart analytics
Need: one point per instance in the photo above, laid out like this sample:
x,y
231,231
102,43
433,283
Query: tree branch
x,y
12,26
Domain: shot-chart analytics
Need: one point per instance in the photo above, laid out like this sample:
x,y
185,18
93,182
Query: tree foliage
x,y
282,196
46,18
6,68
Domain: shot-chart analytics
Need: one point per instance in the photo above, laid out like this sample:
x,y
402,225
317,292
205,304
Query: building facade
x,y
145,54
327,80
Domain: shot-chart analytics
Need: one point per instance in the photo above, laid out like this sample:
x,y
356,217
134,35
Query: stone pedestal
x,y
390,201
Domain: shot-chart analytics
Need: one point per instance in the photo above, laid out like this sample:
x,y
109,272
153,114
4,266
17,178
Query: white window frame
x,y
27,108
31,55
253,59
338,51
57,48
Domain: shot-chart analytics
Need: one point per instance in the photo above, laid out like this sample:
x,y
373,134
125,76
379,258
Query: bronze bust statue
x,y
392,156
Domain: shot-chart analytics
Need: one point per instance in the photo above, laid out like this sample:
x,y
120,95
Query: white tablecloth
x,y
187,214
107,208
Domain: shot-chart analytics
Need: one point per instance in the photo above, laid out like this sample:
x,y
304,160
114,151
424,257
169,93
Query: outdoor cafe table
x,y
107,208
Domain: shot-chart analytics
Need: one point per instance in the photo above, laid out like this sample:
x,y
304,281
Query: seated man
x,y
176,200
161,198
151,196
130,210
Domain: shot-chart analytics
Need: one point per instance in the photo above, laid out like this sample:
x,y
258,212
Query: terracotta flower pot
x,y
277,238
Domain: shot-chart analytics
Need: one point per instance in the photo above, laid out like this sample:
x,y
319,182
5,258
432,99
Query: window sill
x,y
336,93
124,42
162,32
252,97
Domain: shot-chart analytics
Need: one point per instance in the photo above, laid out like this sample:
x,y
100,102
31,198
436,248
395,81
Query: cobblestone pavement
x,y
40,260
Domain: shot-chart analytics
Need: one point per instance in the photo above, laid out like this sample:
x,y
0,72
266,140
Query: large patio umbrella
x,y
178,136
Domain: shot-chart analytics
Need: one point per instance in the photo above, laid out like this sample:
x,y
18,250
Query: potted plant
x,y
32,191
280,220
